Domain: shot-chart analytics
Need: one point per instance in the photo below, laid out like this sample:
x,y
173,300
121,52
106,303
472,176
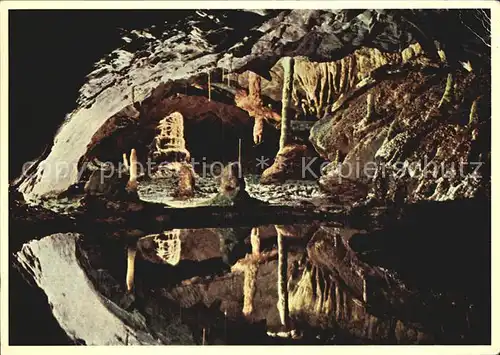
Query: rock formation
x,y
320,35
393,107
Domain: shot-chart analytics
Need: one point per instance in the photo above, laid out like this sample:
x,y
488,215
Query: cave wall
x,y
181,50
430,130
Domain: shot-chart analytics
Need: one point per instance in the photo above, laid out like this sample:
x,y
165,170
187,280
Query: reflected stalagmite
x,y
169,246
131,253
283,281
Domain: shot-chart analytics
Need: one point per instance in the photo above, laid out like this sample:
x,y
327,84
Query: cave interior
x,y
280,177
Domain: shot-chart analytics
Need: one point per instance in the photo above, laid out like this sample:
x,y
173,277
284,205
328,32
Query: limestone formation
x,y
253,104
169,150
132,182
169,144
283,307
131,253
288,71
169,246
286,163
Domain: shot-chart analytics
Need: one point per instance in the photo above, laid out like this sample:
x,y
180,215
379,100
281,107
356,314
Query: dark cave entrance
x,y
213,129
213,142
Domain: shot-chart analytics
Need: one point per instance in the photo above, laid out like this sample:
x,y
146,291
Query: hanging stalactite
x,y
131,253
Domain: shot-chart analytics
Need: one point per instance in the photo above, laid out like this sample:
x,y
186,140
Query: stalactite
x,y
255,96
337,302
131,253
253,104
282,281
249,287
343,75
328,299
473,116
125,162
467,65
370,104
288,64
352,71
345,305
442,55
323,84
319,293
447,95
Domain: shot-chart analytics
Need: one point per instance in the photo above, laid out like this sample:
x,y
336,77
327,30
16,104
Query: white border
x,y
455,350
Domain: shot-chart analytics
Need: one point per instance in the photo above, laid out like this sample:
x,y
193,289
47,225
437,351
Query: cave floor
x,y
290,193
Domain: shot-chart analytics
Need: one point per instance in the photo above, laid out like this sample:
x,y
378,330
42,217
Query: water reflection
x,y
264,284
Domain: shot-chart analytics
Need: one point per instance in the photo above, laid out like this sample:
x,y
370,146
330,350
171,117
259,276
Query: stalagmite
x,y
448,91
171,140
132,182
125,161
337,302
283,281
370,104
169,246
365,294
131,252
288,63
254,94
442,55
255,241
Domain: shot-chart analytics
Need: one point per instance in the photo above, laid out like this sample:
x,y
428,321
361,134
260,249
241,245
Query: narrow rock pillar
x,y
288,64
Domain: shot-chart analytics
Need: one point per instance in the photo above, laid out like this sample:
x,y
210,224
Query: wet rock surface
x,y
193,46
339,291
175,256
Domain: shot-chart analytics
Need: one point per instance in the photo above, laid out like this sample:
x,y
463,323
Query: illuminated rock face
x,y
253,104
162,248
169,246
169,150
169,144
